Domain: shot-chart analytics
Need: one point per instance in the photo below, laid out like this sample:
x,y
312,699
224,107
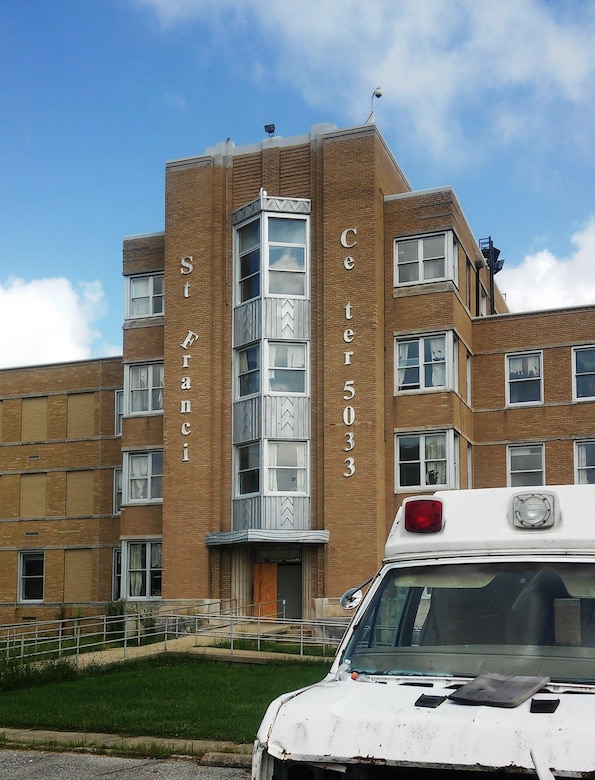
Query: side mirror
x,y
352,598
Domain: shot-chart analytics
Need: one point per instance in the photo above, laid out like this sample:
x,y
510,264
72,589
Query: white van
x,y
473,650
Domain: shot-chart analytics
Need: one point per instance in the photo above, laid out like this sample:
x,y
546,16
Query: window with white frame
x,y
144,476
287,367
248,370
117,491
583,365
425,362
145,388
248,248
143,569
248,468
31,575
287,467
524,378
287,256
119,411
425,460
425,259
526,465
584,461
145,296
117,574
279,244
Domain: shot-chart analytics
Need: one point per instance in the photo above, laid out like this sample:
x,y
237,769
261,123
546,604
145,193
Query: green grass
x,y
175,696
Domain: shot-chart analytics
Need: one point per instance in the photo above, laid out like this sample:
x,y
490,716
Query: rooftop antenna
x,y
376,94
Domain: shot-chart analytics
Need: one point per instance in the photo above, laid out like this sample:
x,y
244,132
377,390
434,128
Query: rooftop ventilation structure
x,y
494,263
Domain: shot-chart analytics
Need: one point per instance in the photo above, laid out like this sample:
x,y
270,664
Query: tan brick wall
x,y
77,398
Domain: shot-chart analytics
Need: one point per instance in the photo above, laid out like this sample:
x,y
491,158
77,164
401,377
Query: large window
x,y
425,362
583,365
287,466
287,367
287,256
248,464
145,388
584,459
143,569
248,370
426,460
526,465
248,238
145,476
279,246
31,568
524,383
145,296
425,259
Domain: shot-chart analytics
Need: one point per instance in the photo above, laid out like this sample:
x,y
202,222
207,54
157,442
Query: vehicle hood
x,y
351,721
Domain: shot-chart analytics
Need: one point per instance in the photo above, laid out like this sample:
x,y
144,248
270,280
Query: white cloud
x,y
543,281
47,321
451,70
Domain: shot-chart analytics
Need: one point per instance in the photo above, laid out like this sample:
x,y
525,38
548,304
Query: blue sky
x,y
495,99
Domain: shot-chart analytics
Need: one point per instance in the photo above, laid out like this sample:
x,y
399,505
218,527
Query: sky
x,y
496,100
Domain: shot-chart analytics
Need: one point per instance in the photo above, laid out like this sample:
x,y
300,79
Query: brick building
x,y
307,342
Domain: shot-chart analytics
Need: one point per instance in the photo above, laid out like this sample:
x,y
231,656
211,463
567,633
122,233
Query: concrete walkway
x,y
207,752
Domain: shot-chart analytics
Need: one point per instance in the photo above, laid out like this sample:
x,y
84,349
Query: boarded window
x,y
79,493
78,575
33,487
34,419
81,415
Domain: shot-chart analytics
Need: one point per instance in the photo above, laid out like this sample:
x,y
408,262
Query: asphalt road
x,y
38,765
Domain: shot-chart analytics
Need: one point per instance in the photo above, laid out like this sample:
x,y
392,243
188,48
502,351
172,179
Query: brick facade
x,y
187,529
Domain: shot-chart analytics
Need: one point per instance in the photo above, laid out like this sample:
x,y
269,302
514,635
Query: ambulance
x,y
471,652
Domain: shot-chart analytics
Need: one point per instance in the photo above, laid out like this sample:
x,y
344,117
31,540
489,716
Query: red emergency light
x,y
423,515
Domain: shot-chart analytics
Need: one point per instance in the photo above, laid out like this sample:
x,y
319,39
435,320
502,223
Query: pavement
x,y
205,752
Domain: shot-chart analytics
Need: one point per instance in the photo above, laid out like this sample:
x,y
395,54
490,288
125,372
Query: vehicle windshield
x,y
535,619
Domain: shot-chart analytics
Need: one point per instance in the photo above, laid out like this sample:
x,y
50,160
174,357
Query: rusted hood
x,y
346,721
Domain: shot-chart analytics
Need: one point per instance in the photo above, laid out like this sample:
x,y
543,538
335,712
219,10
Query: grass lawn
x,y
162,696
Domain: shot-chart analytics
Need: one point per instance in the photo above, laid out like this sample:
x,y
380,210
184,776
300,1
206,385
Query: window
x,y
119,411
32,566
584,373
287,466
281,242
249,370
248,468
426,460
143,569
145,388
248,238
287,256
584,458
525,465
145,476
425,259
524,379
117,574
424,363
117,491
287,367
145,296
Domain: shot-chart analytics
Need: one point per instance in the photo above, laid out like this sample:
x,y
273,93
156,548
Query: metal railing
x,y
229,627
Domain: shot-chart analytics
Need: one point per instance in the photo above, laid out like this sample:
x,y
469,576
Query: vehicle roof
x,y
479,522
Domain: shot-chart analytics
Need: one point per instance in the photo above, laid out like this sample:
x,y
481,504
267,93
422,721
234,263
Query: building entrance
x,y
277,583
